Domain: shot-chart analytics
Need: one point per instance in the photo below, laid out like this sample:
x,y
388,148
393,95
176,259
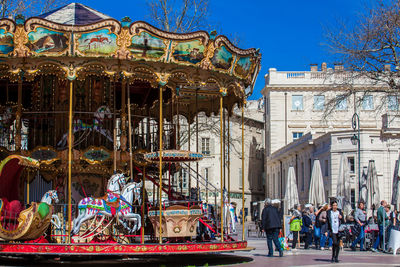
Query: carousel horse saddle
x,y
113,201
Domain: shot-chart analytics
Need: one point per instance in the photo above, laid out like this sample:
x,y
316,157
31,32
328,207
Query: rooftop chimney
x,y
323,66
314,67
338,66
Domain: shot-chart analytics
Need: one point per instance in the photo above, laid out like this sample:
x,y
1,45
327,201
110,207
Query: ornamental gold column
x,y
123,114
19,113
70,145
243,217
221,110
160,130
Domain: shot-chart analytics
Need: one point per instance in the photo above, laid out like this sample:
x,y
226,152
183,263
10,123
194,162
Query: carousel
x,y
92,113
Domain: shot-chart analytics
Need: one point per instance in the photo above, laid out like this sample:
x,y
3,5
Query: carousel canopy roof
x,y
74,14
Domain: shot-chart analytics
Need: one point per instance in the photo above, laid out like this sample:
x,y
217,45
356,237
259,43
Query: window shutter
x,y
212,146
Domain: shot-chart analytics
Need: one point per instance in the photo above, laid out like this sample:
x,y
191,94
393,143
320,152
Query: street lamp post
x,y
355,123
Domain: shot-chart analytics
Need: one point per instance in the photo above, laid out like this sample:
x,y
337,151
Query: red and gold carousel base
x,y
120,249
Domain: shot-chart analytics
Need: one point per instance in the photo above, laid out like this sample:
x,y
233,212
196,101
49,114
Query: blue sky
x,y
290,34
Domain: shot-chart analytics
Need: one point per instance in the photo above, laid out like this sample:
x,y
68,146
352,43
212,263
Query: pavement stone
x,y
312,257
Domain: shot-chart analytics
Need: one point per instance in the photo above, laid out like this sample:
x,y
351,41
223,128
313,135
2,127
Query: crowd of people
x,y
326,227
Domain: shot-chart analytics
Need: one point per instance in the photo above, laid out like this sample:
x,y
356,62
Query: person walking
x,y
295,224
307,228
382,219
360,218
317,228
335,219
271,224
323,220
391,223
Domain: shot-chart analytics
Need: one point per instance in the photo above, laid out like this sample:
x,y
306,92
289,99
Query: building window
x,y
341,102
319,102
368,102
184,179
297,102
240,178
205,146
393,102
350,161
353,198
206,173
297,135
326,168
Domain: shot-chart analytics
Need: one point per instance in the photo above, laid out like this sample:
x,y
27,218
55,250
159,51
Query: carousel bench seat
x,y
11,211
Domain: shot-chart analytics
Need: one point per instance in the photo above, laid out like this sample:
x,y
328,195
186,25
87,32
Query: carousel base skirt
x,y
16,249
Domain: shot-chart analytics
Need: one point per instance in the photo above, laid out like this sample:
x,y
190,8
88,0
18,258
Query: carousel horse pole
x,y
130,134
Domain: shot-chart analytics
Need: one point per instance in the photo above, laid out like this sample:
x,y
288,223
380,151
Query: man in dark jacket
x,y
271,223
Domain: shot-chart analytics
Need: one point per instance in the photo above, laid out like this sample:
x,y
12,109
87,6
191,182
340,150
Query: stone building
x,y
209,144
307,118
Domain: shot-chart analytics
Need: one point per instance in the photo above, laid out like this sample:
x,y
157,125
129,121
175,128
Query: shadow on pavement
x,y
166,260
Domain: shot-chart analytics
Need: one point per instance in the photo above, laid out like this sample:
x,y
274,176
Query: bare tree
x,y
370,48
179,15
10,8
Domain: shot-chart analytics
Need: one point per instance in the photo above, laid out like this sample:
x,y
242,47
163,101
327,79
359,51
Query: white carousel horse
x,y
101,113
90,207
49,196
116,183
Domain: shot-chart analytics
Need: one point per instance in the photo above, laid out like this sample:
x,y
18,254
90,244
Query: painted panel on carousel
x,y
6,42
43,40
222,58
45,155
191,51
243,66
100,42
96,155
146,45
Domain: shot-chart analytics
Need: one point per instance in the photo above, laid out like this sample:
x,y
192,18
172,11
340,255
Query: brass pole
x,y
18,115
115,151
221,170
197,150
70,160
143,200
229,164
115,129
27,188
189,172
243,216
130,137
160,167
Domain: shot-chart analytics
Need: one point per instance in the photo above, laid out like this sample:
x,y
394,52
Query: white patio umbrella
x,y
291,193
396,184
343,192
364,185
373,197
316,194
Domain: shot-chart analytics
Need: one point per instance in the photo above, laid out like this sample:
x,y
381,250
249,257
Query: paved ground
x,y
313,257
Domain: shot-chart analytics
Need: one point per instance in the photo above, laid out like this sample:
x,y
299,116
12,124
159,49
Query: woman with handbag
x,y
335,219
295,224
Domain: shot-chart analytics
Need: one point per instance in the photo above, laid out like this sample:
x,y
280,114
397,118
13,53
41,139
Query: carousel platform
x,y
16,249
